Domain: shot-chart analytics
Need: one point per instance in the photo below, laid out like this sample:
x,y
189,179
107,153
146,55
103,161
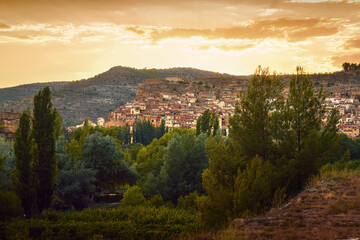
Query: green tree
x,y
101,154
217,207
252,126
305,142
23,175
133,197
253,187
275,146
132,152
184,161
161,130
43,134
76,187
207,123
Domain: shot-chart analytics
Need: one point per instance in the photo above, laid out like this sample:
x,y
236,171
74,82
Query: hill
x,y
94,97
327,209
98,96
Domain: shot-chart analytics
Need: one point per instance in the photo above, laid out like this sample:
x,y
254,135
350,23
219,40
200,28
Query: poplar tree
x,y
207,123
43,133
22,175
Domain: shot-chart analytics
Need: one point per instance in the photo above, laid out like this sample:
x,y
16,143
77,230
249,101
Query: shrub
x,y
125,222
133,197
10,205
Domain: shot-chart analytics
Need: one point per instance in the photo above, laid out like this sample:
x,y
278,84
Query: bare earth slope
x,y
329,209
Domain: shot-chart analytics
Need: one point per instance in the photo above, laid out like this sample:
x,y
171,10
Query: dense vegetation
x,y
350,66
177,183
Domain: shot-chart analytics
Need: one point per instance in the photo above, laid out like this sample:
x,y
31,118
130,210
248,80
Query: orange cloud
x,y
223,47
136,30
4,26
337,61
293,29
352,44
304,34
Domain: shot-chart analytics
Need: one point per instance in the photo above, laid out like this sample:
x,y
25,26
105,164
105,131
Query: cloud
x,y
337,61
293,29
136,30
304,34
4,26
352,44
224,47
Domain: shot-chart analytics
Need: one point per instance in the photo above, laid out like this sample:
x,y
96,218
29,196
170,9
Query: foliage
x,y
7,152
133,197
23,173
347,143
150,158
172,165
144,132
34,175
76,188
184,161
253,187
207,123
10,205
44,123
156,201
275,146
100,153
132,152
125,222
216,209
350,66
124,134
188,202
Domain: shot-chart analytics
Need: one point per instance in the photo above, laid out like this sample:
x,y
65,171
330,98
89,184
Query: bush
x,y
10,205
125,222
188,202
133,197
156,201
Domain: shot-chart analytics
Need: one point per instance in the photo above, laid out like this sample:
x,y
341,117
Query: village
x,y
180,102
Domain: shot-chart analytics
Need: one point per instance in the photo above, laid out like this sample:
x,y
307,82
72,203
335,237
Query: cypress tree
x,y
44,147
22,173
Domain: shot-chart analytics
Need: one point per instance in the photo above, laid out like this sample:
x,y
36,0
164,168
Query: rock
x,y
310,190
238,223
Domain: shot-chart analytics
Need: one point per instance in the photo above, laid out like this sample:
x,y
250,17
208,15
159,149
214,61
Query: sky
x,y
64,40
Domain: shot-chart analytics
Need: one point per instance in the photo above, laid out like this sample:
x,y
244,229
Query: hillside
x,y
98,96
94,97
327,209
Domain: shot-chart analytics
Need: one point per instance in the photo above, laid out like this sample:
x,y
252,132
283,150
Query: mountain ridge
x,y
93,97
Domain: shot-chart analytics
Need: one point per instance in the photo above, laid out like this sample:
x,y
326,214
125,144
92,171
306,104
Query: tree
x,y
76,187
346,66
253,187
161,130
184,161
275,146
207,123
44,123
303,129
252,127
100,153
217,207
23,175
133,197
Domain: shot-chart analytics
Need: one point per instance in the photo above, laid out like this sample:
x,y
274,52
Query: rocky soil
x,y
329,209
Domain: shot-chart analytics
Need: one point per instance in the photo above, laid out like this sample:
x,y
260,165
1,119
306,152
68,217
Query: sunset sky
x,y
42,40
